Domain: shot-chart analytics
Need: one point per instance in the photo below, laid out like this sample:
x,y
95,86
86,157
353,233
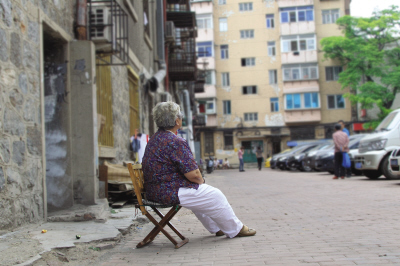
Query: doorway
x,y
250,148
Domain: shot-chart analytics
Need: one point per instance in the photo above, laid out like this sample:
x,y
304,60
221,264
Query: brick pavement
x,y
300,218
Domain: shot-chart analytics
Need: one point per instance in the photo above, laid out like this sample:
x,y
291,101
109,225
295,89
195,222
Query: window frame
x,y
271,48
224,49
248,61
250,117
246,34
335,97
245,7
226,107
273,74
221,2
335,76
274,104
270,21
223,24
225,80
204,17
331,14
202,45
249,90
286,43
300,99
300,71
291,14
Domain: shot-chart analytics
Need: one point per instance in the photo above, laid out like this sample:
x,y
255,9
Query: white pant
x,y
212,208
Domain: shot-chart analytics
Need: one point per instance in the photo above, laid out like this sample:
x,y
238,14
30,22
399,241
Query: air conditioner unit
x,y
165,97
170,32
98,19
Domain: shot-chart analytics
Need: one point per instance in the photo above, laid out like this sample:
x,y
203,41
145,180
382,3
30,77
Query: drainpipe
x,y
81,13
154,81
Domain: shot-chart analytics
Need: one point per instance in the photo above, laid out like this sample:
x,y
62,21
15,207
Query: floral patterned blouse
x,y
166,159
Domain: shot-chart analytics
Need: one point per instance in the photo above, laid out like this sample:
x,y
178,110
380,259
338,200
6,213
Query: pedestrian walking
x,y
341,141
240,156
259,155
345,130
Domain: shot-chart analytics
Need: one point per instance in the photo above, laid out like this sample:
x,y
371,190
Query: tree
x,y
369,52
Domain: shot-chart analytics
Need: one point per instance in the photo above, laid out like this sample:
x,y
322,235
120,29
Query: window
x,y
274,105
246,34
224,51
209,77
204,22
271,49
223,24
336,101
330,16
245,6
296,43
221,2
302,100
227,107
249,89
251,61
332,73
210,107
204,49
146,17
300,72
250,116
228,140
270,21
297,14
273,76
225,80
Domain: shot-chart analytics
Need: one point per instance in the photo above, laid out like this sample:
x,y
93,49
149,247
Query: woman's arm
x,y
195,177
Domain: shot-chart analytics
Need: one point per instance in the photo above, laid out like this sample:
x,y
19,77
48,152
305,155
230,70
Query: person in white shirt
x,y
225,165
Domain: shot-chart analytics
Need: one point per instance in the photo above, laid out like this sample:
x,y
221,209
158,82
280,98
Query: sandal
x,y
219,233
246,231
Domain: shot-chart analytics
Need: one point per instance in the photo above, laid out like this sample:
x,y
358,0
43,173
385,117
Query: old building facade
x,y
76,79
271,82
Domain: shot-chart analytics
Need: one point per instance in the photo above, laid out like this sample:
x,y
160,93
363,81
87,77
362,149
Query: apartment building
x,y
269,82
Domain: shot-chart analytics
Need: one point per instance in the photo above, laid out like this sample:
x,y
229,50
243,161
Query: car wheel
x,y
386,171
372,174
356,172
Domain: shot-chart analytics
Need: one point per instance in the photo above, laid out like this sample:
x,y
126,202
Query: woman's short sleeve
x,y
183,158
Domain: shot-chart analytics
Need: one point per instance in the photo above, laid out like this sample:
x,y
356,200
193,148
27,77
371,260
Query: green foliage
x,y
370,54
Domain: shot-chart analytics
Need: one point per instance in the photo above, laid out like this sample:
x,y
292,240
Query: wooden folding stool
x,y
136,174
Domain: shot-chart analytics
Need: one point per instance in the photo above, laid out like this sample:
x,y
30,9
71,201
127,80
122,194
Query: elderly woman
x,y
171,176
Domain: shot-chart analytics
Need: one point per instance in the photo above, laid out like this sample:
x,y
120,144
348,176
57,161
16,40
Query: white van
x,y
374,149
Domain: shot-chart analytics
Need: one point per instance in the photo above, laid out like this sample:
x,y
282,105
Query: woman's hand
x,y
195,177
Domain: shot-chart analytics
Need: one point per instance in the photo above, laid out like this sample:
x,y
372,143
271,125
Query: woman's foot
x,y
335,177
246,231
219,233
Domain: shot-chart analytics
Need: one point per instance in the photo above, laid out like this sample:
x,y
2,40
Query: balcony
x,y
199,83
290,3
294,28
179,12
299,57
302,116
182,65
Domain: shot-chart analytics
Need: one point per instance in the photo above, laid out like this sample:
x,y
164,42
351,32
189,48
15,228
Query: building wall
x,y
258,75
21,132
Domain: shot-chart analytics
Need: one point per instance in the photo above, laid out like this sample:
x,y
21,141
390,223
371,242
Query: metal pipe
x,y
81,21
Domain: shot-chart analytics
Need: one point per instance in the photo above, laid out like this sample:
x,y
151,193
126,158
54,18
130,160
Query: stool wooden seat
x,y
136,175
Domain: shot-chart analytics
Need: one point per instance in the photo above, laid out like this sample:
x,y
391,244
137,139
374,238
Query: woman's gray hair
x,y
166,113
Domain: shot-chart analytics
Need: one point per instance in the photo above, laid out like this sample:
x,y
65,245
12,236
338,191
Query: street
x,y
300,218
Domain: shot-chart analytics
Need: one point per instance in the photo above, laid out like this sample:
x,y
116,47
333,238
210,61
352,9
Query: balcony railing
x,y
179,12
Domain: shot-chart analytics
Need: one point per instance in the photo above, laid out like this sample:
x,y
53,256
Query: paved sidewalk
x,y
300,218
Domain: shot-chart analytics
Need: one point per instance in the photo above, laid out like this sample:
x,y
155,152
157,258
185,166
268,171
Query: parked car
x,y
306,160
325,160
283,161
394,160
274,159
375,149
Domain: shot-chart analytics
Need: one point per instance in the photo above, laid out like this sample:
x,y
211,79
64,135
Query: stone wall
x,y
21,171
120,89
